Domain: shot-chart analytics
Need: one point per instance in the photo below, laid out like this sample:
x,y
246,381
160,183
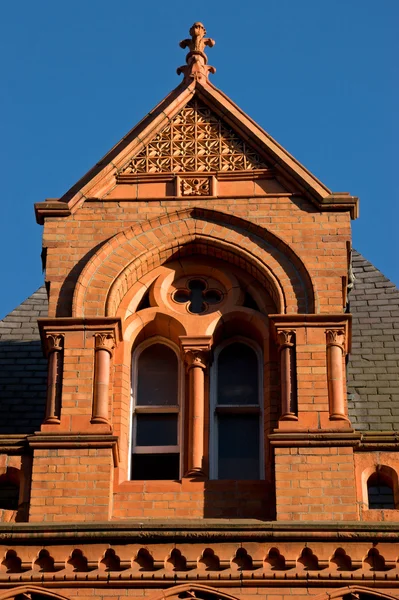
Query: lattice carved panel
x,y
196,140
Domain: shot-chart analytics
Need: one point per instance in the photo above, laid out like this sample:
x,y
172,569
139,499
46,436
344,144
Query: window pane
x,y
238,446
157,376
156,430
155,466
237,375
380,493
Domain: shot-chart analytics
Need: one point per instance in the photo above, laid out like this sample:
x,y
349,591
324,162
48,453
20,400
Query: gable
x,y
196,140
196,129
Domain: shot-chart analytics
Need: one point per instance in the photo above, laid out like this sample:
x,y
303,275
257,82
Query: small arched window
x,y
380,490
9,494
155,434
9,489
237,411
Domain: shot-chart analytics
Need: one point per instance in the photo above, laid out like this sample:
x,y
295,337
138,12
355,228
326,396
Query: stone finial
x,y
197,62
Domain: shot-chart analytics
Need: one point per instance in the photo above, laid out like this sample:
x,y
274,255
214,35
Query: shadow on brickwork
x,y
228,499
23,378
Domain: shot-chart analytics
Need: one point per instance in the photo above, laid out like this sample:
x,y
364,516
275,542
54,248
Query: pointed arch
x,y
30,590
192,590
134,251
354,589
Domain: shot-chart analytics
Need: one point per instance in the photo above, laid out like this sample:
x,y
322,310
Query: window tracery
x,y
208,421
197,296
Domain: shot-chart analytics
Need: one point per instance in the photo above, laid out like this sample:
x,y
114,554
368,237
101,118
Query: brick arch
x,y
30,591
192,590
133,252
357,591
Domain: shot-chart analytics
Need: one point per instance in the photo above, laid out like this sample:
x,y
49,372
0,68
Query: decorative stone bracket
x,y
196,355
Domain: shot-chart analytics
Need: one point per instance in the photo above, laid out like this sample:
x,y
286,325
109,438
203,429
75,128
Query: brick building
x,y
203,399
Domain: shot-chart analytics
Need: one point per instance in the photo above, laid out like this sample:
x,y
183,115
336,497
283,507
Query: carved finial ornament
x,y
336,337
104,341
197,61
54,342
285,338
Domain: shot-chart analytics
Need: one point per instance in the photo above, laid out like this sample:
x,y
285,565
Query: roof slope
x,y
373,368
23,369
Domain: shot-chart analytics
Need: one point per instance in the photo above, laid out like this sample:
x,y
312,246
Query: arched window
x,y
236,436
156,428
380,489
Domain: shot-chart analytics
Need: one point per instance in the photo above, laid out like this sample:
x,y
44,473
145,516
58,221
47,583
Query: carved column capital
x,y
196,351
196,358
336,337
54,342
104,341
285,338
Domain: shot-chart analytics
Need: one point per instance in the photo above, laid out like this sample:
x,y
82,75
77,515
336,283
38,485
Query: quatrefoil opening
x,y
197,296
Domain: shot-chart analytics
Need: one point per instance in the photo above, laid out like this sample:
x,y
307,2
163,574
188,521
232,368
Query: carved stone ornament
x,y
336,337
197,62
196,358
195,140
198,186
54,342
285,338
104,341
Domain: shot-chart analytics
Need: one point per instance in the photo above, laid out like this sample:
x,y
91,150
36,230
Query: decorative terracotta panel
x,y
196,140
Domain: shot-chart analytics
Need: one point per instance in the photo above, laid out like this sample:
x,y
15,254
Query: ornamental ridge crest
x,y
195,140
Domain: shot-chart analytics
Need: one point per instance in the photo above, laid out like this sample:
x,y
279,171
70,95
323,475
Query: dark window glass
x,y
238,446
157,376
9,494
156,429
380,493
155,466
237,375
213,296
197,287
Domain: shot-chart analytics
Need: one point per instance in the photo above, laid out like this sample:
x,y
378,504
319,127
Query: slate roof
x,y
373,366
23,368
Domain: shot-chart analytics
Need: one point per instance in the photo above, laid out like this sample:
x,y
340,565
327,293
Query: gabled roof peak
x,y
197,67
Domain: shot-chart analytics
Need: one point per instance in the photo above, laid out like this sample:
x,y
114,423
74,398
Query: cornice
x,y
198,530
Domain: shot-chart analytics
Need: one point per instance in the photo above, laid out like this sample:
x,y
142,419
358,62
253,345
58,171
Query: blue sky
x,y
319,76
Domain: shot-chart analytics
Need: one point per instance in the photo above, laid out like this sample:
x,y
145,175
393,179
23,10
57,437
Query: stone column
x,y
196,357
335,376
104,346
54,343
286,338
